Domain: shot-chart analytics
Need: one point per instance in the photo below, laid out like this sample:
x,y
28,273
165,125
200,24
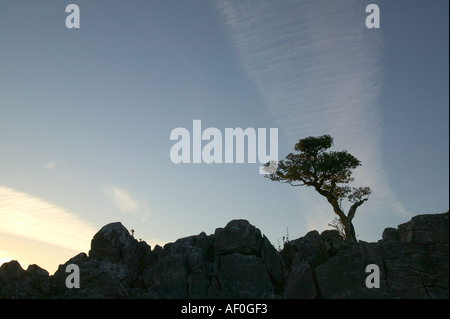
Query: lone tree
x,y
327,172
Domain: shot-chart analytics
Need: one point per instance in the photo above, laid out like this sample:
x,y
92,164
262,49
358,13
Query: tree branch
x,y
352,210
290,183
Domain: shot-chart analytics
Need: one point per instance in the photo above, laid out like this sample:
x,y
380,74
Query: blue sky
x,y
86,115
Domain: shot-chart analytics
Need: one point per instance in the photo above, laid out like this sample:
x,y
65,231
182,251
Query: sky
x,y
86,116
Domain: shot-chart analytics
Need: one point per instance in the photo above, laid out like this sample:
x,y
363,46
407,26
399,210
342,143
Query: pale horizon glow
x,y
34,218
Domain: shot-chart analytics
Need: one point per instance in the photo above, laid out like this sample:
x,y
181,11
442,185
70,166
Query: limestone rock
x,y
425,229
238,236
15,282
300,283
237,261
391,234
413,262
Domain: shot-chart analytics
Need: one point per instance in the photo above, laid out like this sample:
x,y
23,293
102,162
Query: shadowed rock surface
x,y
237,261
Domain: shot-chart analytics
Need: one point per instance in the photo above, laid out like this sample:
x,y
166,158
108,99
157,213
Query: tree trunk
x,y
346,220
350,231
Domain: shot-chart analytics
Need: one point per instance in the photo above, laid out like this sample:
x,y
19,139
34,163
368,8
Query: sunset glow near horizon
x,y
86,116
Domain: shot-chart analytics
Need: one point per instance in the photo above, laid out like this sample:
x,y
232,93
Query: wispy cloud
x,y
50,165
121,199
318,69
24,215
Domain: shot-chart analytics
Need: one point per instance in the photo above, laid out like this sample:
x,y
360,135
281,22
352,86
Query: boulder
x,y
243,276
310,248
300,283
113,268
426,229
391,234
238,236
344,277
17,283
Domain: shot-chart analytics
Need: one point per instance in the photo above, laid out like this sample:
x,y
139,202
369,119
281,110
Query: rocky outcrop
x,y
17,283
237,261
413,262
113,268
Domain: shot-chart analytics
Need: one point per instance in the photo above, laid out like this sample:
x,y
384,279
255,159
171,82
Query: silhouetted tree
x,y
327,172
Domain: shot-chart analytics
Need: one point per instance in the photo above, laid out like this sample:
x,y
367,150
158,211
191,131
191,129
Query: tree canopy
x,y
327,172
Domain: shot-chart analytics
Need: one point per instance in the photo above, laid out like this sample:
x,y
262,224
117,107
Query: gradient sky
x,y
86,115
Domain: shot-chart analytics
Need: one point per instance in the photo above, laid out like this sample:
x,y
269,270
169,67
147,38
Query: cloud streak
x,y
121,199
124,202
318,69
24,215
50,165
